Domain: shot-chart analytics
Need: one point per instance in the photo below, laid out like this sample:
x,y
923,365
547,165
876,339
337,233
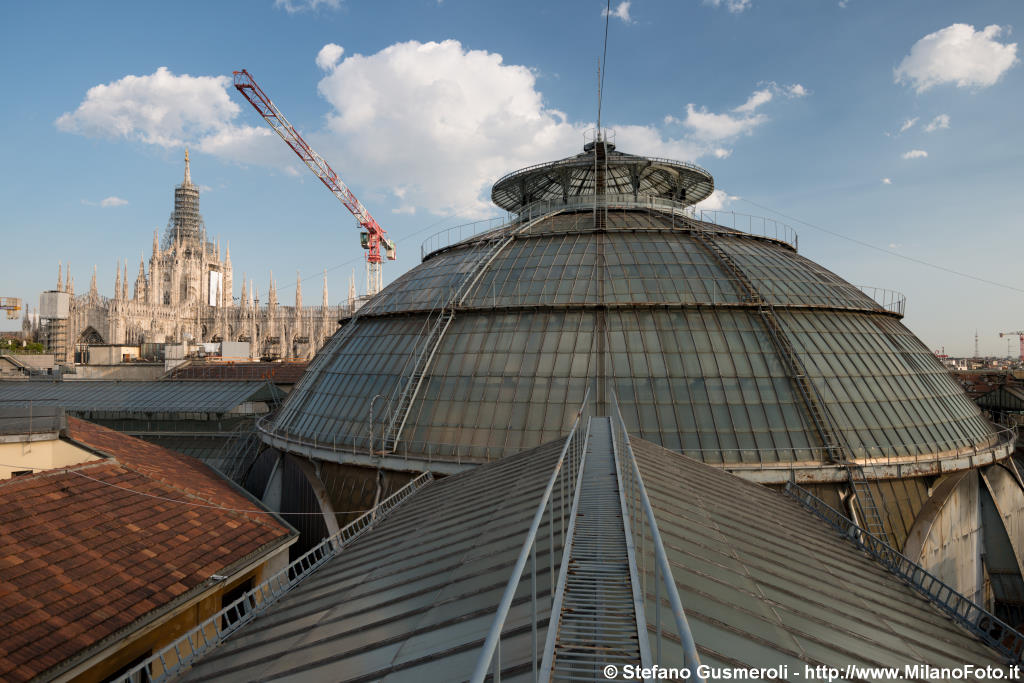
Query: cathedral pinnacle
x,y
188,175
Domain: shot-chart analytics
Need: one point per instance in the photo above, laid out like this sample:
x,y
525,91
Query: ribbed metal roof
x,y
138,397
671,310
764,583
411,600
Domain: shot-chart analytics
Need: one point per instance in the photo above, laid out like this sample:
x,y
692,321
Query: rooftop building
x,y
118,551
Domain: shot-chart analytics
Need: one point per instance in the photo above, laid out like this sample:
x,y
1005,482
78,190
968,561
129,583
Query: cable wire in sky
x,y
862,243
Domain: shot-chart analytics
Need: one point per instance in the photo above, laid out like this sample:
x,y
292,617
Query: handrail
x,y
996,633
870,456
758,226
494,634
587,160
214,630
691,659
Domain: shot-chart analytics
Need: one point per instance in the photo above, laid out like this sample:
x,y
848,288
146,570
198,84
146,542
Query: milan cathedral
x,y
187,296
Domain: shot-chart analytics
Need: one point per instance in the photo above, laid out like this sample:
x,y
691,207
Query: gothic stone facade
x,y
186,295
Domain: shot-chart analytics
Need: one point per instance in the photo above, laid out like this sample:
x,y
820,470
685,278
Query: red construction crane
x,y
1019,333
373,236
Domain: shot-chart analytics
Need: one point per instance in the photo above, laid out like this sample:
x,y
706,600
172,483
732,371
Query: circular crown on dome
x,y
625,174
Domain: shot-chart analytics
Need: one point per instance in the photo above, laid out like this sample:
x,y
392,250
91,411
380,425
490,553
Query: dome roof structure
x,y
719,340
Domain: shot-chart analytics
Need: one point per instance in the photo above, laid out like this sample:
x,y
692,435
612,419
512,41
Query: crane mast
x,y
373,236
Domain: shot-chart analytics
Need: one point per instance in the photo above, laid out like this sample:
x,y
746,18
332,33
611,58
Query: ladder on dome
x,y
863,498
594,613
333,345
418,364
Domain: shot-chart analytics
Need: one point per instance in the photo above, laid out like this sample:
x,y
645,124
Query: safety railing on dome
x,y
757,226
757,458
610,137
996,633
649,549
565,475
720,291
183,652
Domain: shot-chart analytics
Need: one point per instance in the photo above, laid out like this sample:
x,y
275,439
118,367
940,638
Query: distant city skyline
x,y
896,125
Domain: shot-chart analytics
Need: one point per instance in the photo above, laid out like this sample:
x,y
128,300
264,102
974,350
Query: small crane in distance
x,y
1019,333
10,304
372,237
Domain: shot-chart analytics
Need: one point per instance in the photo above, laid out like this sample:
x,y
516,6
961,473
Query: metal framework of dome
x,y
720,340
623,174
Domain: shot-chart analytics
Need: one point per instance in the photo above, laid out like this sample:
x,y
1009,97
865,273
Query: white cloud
x,y
915,154
408,210
621,11
908,124
160,109
887,181
113,201
734,6
939,122
431,125
756,99
174,111
329,55
442,120
292,6
717,201
711,127
957,54
796,90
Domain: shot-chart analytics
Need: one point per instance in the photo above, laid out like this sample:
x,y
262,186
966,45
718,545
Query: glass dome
x,y
719,339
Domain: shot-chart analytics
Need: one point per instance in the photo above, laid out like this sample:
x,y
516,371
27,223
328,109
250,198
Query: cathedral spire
x,y
272,294
188,175
93,291
60,274
67,279
244,301
117,282
140,280
227,254
156,244
325,290
298,291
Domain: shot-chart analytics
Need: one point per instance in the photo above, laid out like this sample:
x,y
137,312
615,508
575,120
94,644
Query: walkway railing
x,y
597,616
649,548
181,654
566,475
996,633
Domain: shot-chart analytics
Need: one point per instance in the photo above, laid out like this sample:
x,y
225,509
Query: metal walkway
x,y
597,622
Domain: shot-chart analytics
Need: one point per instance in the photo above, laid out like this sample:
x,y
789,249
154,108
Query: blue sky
x,y
897,124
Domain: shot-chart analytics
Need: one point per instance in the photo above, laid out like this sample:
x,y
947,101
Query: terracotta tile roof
x,y
83,556
279,373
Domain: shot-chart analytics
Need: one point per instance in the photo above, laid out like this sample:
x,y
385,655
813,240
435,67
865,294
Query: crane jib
x,y
251,91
